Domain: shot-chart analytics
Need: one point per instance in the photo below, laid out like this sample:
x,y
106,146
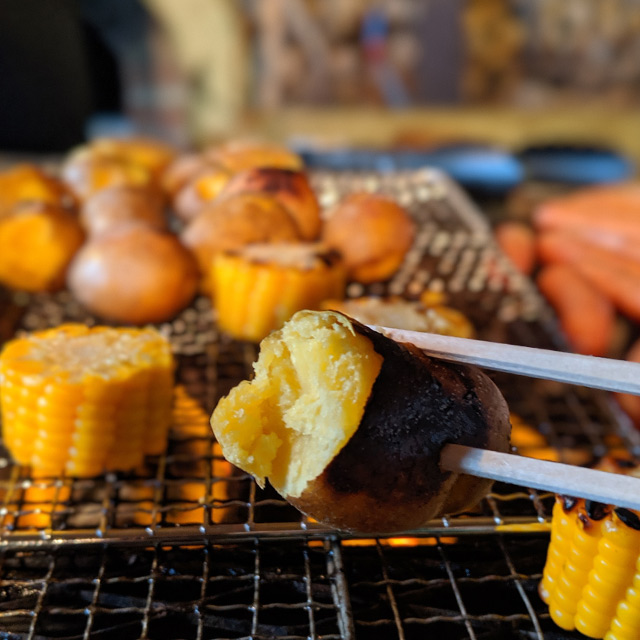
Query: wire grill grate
x,y
189,547
325,590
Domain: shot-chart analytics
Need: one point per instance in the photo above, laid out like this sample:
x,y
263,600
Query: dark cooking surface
x,y
184,549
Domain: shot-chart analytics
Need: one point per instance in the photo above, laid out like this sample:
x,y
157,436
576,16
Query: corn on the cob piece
x,y
612,572
585,534
256,289
81,401
591,580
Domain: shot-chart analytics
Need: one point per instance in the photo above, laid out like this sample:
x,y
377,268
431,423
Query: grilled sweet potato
x,y
348,425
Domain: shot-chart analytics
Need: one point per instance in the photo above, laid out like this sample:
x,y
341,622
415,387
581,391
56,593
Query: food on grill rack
x,y
258,287
517,241
586,316
399,313
24,183
134,275
372,232
87,173
37,243
591,578
81,401
152,154
240,155
199,192
348,425
290,188
116,207
107,162
234,222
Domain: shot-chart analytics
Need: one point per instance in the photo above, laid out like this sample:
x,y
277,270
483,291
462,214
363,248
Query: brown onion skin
x,y
387,477
135,276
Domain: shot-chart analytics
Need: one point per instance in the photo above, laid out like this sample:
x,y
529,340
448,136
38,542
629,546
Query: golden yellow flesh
x,y
312,381
84,400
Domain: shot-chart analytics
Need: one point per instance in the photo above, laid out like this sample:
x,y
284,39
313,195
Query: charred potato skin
x,y
387,477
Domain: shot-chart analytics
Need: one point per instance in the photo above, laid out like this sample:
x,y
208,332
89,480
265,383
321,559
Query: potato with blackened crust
x,y
348,425
372,232
290,188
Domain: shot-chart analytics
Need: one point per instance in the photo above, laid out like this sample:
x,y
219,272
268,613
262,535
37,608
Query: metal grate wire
x,y
320,590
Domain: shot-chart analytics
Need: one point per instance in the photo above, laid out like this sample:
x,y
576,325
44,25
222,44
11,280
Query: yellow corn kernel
x,y
582,548
256,289
626,624
81,401
561,526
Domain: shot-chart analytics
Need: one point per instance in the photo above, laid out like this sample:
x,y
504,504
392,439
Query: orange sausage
x,y
586,316
518,242
615,276
613,209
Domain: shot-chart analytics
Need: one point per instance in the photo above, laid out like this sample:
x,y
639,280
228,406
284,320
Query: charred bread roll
x,y
348,425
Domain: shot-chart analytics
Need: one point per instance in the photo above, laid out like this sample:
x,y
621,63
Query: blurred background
x,y
322,72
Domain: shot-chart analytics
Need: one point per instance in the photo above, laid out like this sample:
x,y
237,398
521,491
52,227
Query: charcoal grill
x,y
189,547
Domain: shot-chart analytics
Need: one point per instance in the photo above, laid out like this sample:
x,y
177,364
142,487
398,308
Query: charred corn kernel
x,y
256,289
612,573
583,537
82,400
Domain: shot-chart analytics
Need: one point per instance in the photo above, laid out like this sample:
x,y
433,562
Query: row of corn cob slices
x,y
591,579
81,401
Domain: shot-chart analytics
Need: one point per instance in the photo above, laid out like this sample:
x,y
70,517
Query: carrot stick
x,y
614,276
586,316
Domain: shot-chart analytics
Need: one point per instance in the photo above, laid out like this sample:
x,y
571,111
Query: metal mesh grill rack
x,y
258,588
189,547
